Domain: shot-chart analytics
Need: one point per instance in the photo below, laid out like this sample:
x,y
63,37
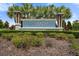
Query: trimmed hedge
x,y
75,33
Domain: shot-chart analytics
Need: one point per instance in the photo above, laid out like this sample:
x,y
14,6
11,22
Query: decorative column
x,y
59,19
17,17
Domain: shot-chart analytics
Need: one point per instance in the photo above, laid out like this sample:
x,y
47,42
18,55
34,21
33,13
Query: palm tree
x,y
51,10
11,10
65,11
39,11
27,9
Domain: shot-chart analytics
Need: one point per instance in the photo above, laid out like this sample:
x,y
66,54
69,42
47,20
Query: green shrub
x,y
4,35
75,45
22,41
75,26
27,33
17,41
62,36
76,34
31,40
37,41
8,36
40,34
71,36
20,34
25,41
53,35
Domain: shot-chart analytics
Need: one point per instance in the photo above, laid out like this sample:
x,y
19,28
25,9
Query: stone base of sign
x,y
17,26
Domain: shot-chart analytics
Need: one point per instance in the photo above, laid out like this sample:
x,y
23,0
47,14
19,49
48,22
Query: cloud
x,y
49,3
73,18
76,4
4,6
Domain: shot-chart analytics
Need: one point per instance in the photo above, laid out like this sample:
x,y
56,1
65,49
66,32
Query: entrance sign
x,y
37,23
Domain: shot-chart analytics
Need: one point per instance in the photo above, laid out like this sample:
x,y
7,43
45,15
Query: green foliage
x,y
75,46
40,34
37,41
21,41
71,36
64,36
61,36
6,25
8,36
64,25
25,41
69,25
17,41
28,33
40,11
1,24
75,33
75,26
53,35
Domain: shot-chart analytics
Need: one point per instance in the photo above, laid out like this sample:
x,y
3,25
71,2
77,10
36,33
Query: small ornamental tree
x,y
1,24
69,26
6,25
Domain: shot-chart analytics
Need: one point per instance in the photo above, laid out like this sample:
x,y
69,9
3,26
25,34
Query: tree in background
x,y
6,25
75,26
64,25
1,24
69,26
